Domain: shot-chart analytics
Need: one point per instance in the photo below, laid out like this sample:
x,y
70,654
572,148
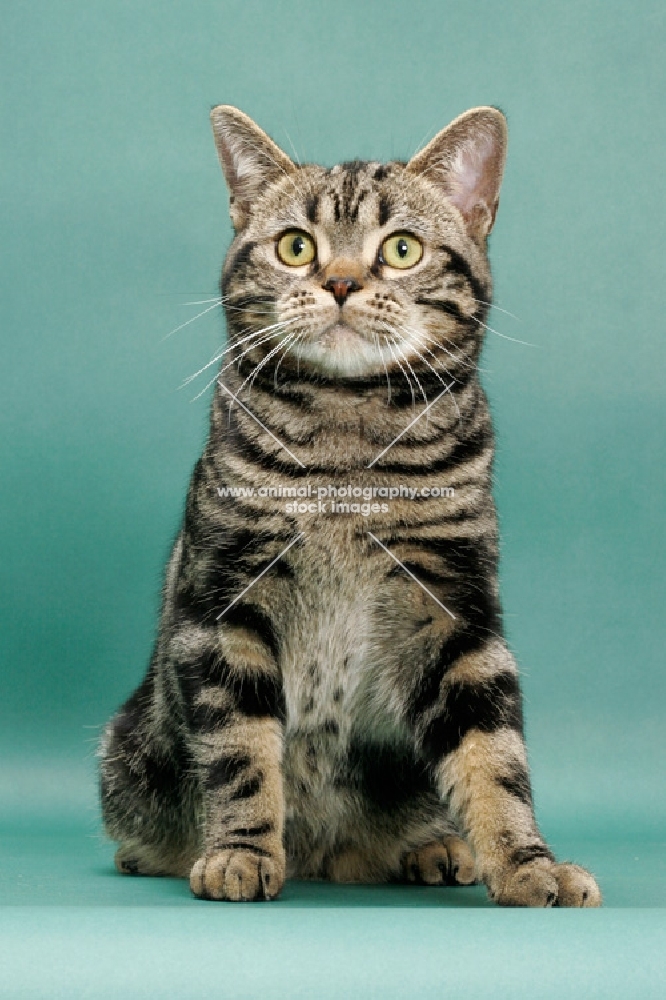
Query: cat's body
x,y
330,694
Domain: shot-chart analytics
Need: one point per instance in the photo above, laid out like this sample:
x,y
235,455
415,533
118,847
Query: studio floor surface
x,y
71,927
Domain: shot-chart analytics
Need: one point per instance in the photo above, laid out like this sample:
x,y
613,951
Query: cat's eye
x,y
296,248
402,250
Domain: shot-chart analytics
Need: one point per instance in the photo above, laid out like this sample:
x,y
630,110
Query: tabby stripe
x,y
459,265
195,604
353,213
524,855
254,619
470,558
464,451
487,706
302,400
517,783
444,519
428,691
240,257
252,831
312,208
447,306
350,184
243,301
270,461
440,521
243,846
385,210
255,693
449,575
232,566
225,769
208,718
402,395
248,788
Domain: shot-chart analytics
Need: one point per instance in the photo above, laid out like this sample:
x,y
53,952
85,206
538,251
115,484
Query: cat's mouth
x,y
342,349
340,335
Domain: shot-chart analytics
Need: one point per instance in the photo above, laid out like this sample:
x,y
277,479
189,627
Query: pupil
x,y
402,248
297,246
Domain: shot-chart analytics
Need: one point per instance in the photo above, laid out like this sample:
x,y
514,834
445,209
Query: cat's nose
x,y
341,288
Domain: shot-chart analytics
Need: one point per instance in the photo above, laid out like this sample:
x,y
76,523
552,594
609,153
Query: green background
x,y
114,217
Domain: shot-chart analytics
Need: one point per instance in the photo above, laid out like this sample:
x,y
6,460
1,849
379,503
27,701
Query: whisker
x,y
256,343
431,339
388,380
231,363
216,357
493,305
298,336
411,387
187,322
404,357
251,377
504,336
460,359
426,362
293,148
435,372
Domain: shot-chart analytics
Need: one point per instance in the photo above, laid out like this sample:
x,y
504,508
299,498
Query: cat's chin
x,y
342,350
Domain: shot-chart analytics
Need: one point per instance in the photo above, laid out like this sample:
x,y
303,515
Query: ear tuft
x,y
250,159
466,160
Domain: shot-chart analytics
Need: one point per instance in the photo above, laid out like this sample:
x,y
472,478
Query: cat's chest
x,y
326,666
334,656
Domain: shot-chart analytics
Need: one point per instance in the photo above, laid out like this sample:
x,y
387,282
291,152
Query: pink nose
x,y
341,288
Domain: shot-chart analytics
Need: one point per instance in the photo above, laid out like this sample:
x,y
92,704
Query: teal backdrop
x,y
114,220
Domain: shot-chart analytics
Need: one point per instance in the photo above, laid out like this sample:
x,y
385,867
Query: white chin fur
x,y
341,351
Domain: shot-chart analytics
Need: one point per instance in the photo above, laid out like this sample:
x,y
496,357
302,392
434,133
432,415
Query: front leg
x,y
234,704
472,733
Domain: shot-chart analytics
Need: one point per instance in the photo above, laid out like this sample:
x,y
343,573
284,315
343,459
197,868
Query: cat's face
x,y
364,268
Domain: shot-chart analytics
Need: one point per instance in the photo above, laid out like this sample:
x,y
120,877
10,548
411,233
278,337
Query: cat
x,y
330,695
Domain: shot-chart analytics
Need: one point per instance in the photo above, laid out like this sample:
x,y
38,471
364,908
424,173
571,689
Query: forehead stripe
x,y
239,259
353,212
385,210
312,208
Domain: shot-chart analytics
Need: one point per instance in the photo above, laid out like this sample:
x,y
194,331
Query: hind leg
x,y
415,842
444,861
148,799
448,861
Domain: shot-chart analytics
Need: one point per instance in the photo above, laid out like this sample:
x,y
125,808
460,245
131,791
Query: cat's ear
x,y
250,160
466,161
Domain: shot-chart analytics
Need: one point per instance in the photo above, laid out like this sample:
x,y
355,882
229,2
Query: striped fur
x,y
350,715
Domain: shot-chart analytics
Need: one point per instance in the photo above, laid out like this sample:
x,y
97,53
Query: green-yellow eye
x,y
402,250
296,248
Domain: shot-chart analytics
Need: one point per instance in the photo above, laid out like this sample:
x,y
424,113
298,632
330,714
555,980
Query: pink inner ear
x,y
474,175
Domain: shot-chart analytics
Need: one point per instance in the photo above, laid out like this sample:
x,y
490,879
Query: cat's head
x,y
365,267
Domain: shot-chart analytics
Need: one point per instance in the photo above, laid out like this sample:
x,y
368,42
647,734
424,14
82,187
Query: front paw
x,y
238,874
544,883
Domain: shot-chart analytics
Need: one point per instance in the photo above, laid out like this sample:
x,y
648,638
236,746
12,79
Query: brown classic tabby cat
x,y
330,695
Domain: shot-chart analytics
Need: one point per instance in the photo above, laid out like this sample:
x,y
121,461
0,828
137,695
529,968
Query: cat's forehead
x,y
350,199
355,195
